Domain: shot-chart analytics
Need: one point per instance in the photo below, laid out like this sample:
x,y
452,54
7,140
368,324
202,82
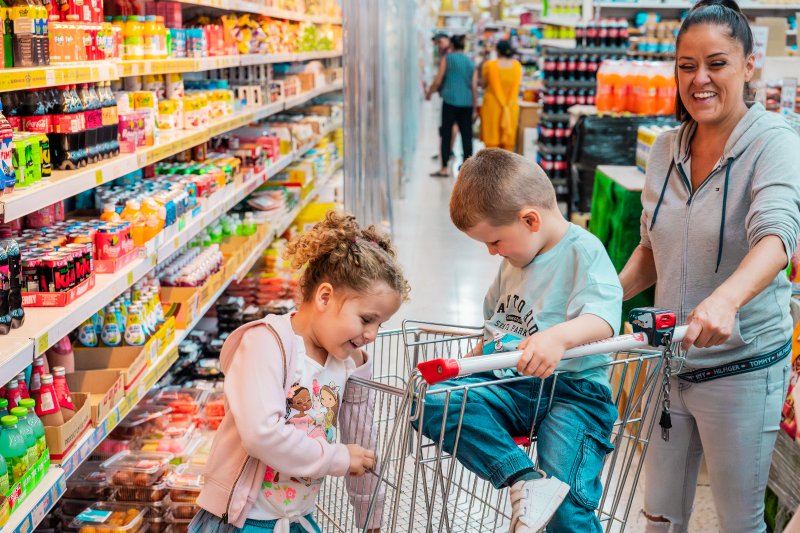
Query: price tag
x,y
130,278
176,243
181,224
43,343
154,260
98,176
113,419
50,77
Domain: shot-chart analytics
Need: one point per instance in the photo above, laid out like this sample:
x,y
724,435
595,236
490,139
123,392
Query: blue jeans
x,y
573,435
205,522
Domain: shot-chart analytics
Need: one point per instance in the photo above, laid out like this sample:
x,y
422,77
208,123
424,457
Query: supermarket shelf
x,y
760,6
244,6
281,228
45,326
561,20
570,84
200,64
17,355
50,489
32,511
558,43
66,184
16,79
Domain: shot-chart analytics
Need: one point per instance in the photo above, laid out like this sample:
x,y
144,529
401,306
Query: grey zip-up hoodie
x,y
700,237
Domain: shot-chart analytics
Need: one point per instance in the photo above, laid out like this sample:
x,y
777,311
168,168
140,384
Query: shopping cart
x,y
418,487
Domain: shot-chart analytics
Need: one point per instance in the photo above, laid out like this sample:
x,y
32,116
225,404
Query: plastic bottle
x,y
94,119
163,38
5,485
134,332
23,386
154,216
37,371
605,85
61,354
112,333
36,426
249,224
110,213
27,434
8,175
87,335
13,394
62,393
47,407
23,19
13,449
13,272
666,90
133,39
133,214
3,407
151,38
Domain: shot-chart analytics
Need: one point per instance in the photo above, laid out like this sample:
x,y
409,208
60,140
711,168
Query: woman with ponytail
x,y
720,219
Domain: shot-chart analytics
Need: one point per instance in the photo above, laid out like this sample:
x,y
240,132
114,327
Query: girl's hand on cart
x,y
361,460
710,323
541,353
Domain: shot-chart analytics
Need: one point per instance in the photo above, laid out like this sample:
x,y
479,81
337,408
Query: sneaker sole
x,y
555,503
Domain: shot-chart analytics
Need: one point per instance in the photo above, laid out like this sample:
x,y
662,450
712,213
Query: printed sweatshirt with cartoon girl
x,y
278,439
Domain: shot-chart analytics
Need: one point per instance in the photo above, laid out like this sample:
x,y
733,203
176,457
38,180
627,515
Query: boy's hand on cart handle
x,y
361,460
541,353
710,323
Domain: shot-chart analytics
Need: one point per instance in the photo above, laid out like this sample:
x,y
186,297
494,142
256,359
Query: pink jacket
x,y
254,432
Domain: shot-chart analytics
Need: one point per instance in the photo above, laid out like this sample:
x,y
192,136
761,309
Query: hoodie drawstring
x,y
722,218
661,197
724,206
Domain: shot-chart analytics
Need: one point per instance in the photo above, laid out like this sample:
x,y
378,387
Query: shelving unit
x,y
244,6
32,511
66,184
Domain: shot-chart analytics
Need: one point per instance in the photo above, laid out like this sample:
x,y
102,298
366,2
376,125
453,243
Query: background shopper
x,y
720,221
458,80
500,107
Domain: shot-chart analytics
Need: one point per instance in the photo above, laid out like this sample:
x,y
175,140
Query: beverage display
x,y
640,87
12,448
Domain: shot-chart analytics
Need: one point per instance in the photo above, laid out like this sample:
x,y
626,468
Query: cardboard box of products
x,y
130,361
61,439
105,389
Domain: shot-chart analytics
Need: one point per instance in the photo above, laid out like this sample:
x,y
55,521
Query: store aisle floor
x,y
449,274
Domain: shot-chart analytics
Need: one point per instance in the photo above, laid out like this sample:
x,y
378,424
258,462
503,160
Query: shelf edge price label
x,y
98,176
43,343
130,278
50,77
154,259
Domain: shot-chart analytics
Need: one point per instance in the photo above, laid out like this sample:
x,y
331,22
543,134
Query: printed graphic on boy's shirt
x,y
315,412
511,322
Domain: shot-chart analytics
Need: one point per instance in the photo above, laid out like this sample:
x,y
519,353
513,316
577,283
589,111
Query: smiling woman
x,y
721,213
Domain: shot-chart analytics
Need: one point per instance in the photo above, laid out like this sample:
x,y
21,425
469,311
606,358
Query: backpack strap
x,y
283,353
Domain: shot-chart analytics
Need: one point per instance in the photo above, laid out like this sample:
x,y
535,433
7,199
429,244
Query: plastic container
x,y
158,525
142,420
136,469
215,406
174,440
180,399
155,508
110,518
185,483
71,508
184,511
88,483
111,446
150,494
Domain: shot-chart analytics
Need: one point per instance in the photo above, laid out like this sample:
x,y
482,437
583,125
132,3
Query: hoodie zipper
x,y
688,184
233,489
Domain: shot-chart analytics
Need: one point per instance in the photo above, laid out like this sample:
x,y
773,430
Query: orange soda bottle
x,y
604,93
133,214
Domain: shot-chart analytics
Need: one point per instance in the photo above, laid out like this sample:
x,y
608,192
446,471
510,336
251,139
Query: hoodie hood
x,y
752,127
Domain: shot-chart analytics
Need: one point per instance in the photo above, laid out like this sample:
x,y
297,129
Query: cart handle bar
x,y
438,370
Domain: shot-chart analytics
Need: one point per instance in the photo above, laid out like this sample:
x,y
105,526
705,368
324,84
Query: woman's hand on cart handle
x,y
711,323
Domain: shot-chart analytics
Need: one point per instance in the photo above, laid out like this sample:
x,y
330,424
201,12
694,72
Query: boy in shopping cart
x,y
556,288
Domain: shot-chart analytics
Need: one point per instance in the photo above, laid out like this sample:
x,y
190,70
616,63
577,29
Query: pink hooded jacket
x,y
254,432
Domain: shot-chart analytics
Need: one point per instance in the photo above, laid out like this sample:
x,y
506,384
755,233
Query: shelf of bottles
x,y
570,79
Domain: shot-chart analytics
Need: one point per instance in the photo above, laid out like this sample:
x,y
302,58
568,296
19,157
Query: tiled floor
x,y
449,273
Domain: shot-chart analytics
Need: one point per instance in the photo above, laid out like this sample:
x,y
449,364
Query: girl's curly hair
x,y
342,253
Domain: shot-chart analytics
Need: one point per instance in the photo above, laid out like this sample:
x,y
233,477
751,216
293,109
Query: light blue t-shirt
x,y
573,278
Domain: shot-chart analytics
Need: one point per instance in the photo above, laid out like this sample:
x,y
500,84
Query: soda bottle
x,y
110,117
13,394
35,118
27,434
67,137
3,406
5,292
62,393
36,426
605,86
94,119
11,106
132,213
14,275
13,449
47,407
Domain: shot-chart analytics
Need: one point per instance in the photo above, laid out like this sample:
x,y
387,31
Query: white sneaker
x,y
534,502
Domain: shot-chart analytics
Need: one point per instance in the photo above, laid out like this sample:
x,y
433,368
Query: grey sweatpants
x,y
733,421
